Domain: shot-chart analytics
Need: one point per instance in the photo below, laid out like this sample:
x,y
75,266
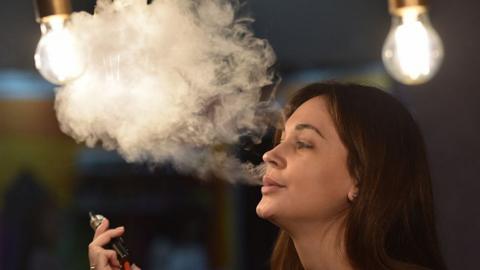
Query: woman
x,y
348,184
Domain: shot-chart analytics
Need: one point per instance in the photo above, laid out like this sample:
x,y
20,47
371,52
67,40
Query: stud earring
x,y
352,196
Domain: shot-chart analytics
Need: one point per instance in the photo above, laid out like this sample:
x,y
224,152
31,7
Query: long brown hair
x,y
390,224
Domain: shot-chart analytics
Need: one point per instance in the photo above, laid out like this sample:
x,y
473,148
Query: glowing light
x,y
58,56
413,51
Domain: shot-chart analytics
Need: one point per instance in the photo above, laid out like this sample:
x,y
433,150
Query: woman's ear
x,y
353,193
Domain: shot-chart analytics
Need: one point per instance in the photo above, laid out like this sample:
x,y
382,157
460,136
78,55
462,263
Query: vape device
x,y
117,244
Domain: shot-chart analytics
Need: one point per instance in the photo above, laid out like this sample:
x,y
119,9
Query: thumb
x,y
134,267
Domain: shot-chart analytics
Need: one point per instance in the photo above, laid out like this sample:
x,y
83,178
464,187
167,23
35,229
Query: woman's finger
x,y
106,236
112,258
102,228
134,267
105,260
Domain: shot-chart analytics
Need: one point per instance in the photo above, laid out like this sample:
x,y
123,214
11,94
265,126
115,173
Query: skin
x,y
307,188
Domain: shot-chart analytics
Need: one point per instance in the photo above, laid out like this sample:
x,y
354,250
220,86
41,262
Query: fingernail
x,y
121,228
103,221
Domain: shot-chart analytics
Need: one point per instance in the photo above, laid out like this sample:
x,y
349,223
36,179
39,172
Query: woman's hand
x,y
101,258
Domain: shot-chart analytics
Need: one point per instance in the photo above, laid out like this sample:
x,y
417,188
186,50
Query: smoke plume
x,y
173,80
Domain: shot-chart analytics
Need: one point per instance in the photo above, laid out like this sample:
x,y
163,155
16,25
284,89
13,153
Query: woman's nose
x,y
274,159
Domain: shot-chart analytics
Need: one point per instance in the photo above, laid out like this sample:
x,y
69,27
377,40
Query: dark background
x,y
47,218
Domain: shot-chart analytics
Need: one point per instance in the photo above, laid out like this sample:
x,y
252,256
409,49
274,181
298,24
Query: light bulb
x,y
58,56
413,51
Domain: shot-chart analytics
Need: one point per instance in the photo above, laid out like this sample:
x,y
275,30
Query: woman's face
x,y
307,177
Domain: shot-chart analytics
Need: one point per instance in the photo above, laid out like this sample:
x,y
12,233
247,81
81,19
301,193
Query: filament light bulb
x,y
413,51
58,56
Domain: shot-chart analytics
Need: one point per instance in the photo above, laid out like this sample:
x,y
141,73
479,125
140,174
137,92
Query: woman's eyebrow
x,y
308,126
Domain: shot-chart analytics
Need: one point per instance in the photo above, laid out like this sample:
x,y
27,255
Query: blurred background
x,y
48,183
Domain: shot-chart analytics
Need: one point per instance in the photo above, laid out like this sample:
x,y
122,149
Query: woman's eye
x,y
301,145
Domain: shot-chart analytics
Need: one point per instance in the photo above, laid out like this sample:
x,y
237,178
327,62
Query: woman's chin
x,y
265,209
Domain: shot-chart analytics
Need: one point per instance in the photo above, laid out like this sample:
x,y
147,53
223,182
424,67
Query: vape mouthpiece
x,y
95,220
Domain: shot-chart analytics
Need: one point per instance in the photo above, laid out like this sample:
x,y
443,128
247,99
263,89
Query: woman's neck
x,y
321,246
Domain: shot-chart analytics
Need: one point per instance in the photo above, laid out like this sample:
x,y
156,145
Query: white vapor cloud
x,y
173,80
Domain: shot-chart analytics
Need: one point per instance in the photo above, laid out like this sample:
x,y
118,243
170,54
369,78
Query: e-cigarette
x,y
117,244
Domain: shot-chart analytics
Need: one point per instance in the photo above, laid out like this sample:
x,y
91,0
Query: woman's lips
x,y
270,185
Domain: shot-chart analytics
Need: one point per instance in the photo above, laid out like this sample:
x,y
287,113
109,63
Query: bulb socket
x,y
46,8
396,7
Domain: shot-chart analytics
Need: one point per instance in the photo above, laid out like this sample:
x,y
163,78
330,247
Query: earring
x,y
352,196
